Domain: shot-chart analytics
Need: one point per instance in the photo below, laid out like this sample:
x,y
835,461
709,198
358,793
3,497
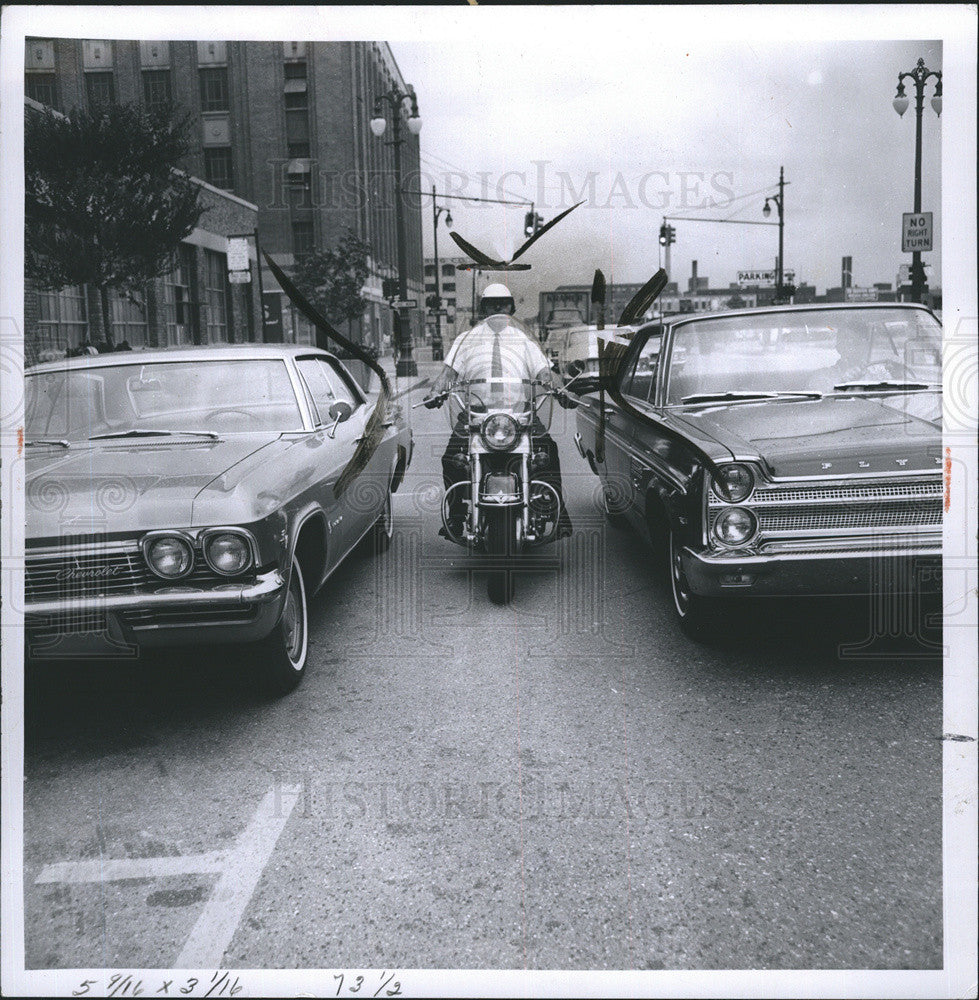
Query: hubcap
x,y
292,622
680,595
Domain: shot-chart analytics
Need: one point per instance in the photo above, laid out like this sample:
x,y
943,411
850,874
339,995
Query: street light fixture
x,y
779,200
437,211
920,75
396,99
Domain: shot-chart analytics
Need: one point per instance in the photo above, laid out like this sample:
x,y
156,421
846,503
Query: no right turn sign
x,y
916,232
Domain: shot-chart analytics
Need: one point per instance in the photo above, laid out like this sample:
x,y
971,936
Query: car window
x,y
325,386
640,380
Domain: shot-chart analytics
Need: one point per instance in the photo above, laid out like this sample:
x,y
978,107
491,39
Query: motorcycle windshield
x,y
472,400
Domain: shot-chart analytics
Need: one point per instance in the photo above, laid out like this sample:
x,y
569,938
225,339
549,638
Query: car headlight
x,y
734,484
227,552
735,526
499,431
169,556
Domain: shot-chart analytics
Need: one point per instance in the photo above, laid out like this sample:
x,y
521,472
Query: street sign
x,y
404,304
237,254
916,232
239,277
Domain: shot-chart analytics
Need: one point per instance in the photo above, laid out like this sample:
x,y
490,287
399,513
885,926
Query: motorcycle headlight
x,y
227,552
735,526
734,484
169,556
499,431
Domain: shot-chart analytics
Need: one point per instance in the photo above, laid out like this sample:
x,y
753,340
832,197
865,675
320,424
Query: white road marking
x,y
114,869
240,870
223,911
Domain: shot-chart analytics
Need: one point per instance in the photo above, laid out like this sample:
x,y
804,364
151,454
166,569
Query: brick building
x,y
194,304
281,125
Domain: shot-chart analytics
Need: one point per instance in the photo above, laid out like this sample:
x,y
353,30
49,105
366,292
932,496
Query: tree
x,y
104,205
333,280
736,302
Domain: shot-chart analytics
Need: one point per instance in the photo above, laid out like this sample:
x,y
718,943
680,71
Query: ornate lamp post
x,y
779,200
396,99
919,75
437,211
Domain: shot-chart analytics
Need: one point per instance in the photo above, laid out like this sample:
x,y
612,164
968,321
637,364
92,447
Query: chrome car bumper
x,y
178,615
902,568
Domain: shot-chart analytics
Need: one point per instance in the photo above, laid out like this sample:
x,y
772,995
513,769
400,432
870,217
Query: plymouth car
x,y
793,450
187,496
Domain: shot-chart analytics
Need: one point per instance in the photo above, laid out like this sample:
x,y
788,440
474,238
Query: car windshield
x,y
206,397
810,352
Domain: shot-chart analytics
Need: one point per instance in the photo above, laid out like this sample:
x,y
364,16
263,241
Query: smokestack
x,y
694,272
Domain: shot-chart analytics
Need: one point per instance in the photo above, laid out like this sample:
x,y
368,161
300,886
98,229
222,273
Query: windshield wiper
x,y
711,397
886,385
146,432
37,441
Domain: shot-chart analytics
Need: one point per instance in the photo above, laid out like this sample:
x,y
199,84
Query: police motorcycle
x,y
502,508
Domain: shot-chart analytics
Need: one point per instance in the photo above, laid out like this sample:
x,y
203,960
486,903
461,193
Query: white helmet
x,y
496,298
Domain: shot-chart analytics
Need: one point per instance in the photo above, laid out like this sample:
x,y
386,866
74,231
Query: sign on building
x,y
916,232
763,278
856,293
239,271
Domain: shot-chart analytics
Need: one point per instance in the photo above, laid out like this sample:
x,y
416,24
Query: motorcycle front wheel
x,y
501,543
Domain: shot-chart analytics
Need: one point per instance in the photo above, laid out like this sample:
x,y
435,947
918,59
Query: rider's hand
x,y
433,402
566,400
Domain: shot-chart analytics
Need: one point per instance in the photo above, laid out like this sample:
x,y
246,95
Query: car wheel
x,y
612,508
281,656
697,615
383,530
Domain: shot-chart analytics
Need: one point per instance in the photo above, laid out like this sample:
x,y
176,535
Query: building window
x,y
63,320
177,290
299,191
100,89
156,87
295,70
448,269
40,87
297,134
302,236
217,167
216,293
449,286
214,89
128,320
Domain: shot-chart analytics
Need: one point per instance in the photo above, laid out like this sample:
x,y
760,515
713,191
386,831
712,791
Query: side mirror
x,y
339,412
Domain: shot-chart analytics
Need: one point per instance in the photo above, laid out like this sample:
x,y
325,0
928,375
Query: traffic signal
x,y
432,301
664,235
389,288
529,223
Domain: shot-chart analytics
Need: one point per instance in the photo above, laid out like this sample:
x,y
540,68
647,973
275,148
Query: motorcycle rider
x,y
497,347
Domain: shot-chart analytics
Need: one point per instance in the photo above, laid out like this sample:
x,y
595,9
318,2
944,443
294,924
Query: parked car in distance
x,y
187,496
793,450
578,346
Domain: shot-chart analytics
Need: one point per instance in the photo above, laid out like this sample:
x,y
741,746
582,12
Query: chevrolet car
x,y
187,496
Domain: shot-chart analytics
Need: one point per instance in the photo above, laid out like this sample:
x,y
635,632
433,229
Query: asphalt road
x,y
565,783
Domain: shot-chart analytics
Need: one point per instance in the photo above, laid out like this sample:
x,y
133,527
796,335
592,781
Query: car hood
x,y
829,436
125,486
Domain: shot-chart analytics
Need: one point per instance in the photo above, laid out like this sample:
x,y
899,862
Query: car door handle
x,y
608,410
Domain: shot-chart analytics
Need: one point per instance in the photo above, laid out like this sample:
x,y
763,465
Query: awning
x,y
295,87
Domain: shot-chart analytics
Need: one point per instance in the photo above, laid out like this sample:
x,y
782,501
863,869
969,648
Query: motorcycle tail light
x,y
734,484
499,431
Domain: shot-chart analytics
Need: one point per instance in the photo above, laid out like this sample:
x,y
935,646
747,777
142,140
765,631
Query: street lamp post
x,y
396,98
919,75
779,200
437,211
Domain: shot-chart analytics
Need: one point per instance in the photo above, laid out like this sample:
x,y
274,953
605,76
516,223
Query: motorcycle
x,y
504,509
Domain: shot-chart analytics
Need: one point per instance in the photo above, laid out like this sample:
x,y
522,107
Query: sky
x,y
643,127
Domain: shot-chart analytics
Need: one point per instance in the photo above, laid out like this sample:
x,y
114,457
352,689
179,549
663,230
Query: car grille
x,y
843,507
217,614
63,576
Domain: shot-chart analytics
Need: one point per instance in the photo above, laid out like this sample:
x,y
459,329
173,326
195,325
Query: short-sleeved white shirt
x,y
471,353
